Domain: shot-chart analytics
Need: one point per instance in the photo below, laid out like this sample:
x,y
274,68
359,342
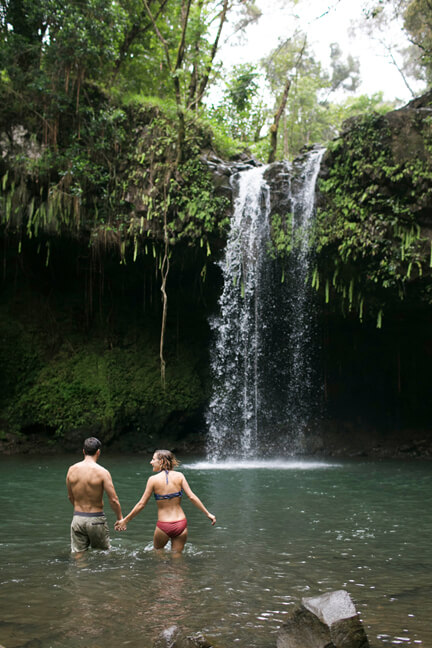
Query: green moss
x,y
20,358
63,378
109,390
371,247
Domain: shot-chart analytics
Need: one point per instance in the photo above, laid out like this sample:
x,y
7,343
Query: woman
x,y
168,486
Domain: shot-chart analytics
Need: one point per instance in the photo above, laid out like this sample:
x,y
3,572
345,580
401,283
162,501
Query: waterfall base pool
x,y
284,530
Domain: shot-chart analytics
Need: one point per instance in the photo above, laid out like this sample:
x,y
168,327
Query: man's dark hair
x,y
91,446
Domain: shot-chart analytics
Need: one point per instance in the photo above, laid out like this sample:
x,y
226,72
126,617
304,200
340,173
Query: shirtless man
x,y
86,482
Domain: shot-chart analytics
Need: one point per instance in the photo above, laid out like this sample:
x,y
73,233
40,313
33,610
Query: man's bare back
x,y
86,483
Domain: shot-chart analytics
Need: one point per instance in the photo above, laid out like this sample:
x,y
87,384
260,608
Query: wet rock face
x,y
304,630
278,177
222,171
326,621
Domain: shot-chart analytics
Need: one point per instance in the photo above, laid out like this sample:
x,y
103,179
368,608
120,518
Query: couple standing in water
x,y
87,481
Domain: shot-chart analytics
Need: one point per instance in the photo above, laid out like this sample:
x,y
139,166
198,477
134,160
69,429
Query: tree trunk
x,y
206,76
275,126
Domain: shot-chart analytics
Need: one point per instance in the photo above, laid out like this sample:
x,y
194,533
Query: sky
x,y
325,22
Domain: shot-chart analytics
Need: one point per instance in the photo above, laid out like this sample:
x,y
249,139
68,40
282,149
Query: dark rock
x,y
222,171
326,621
175,637
304,630
278,177
420,103
252,162
349,633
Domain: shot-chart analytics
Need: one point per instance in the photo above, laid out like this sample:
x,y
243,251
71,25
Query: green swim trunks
x,y
89,529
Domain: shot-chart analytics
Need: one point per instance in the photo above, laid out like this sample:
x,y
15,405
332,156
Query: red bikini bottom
x,y
172,529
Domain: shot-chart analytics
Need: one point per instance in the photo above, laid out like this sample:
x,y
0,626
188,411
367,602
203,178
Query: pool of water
x,y
284,530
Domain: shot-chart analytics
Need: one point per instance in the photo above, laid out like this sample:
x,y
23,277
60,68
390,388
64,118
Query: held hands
x,y
120,525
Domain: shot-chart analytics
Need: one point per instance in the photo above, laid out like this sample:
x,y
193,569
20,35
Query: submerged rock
x,y
175,637
326,621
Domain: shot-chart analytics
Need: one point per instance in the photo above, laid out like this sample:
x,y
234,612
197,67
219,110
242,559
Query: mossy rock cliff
x,y
374,219
79,351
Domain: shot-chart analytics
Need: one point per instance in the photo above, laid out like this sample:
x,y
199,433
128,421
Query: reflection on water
x,y
284,531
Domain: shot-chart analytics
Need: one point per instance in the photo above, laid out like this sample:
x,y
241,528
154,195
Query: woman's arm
x,y
196,500
121,525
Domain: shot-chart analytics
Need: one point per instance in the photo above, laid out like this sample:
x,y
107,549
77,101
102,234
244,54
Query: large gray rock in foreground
x,y
326,621
331,606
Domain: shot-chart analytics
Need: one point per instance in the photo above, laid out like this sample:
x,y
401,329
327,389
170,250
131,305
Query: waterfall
x,y
260,358
299,307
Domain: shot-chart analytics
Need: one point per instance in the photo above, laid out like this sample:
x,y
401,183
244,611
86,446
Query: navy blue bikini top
x,y
169,495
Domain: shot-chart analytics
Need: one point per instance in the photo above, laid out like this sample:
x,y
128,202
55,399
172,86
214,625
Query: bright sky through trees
x,y
326,22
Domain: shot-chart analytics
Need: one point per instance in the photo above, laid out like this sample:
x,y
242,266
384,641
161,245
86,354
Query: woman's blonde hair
x,y
167,458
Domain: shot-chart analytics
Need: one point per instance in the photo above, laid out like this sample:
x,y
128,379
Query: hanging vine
x,y
164,276
121,188
371,246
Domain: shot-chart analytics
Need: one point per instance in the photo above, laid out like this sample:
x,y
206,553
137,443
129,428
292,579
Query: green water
x,y
283,532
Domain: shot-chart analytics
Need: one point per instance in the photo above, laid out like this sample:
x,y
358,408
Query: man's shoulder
x,y
87,468
103,472
74,467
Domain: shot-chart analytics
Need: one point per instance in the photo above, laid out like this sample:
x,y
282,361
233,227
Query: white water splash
x,y
267,464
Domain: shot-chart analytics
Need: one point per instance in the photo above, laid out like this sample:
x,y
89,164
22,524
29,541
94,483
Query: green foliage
x,y
249,101
243,86
50,48
241,113
202,215
281,235
110,184
20,359
371,249
224,144
310,115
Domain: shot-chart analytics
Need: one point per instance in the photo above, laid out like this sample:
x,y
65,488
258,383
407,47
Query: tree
x,y
136,30
418,23
411,60
294,78
241,113
51,49
346,74
23,27
182,55
65,62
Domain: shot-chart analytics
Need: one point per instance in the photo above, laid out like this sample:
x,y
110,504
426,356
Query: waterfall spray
x,y
260,358
233,410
